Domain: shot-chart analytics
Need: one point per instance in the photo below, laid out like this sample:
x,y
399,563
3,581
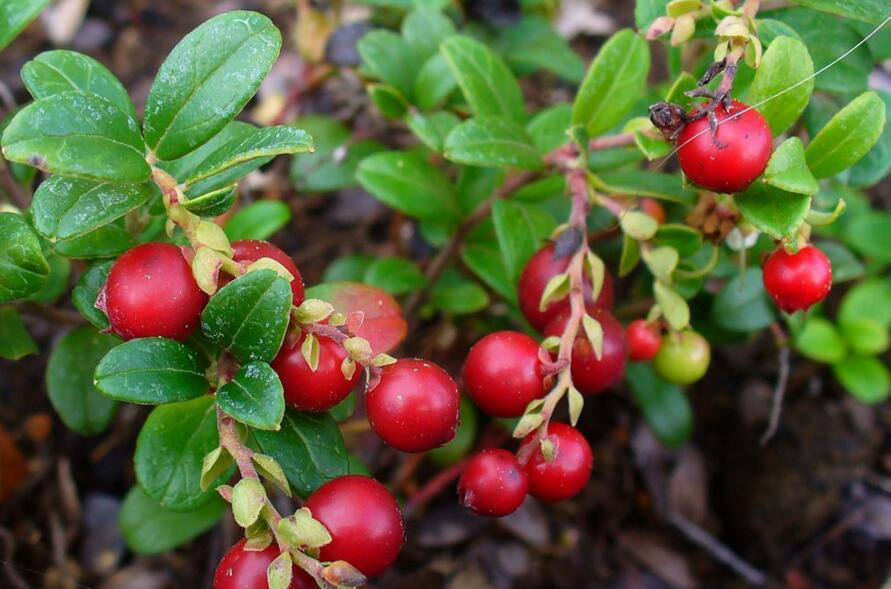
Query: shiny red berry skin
x,y
319,390
503,374
493,483
797,281
414,407
246,569
364,521
644,340
568,474
731,160
540,268
150,292
251,250
590,375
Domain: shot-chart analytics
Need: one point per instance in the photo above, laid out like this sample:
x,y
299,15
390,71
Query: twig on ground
x,y
779,389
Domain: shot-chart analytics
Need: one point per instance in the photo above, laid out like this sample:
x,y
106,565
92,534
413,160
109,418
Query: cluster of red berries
x,y
365,525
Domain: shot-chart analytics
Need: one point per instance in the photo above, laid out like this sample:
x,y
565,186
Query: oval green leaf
x,y
787,169
258,220
23,268
207,79
409,183
151,371
785,63
254,397
865,377
492,141
148,528
15,342
773,211
848,136
84,295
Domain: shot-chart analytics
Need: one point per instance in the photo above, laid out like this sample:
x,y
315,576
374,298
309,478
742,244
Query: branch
x,y
779,390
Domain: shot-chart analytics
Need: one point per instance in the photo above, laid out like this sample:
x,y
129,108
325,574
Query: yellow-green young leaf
x,y
787,169
79,135
280,571
661,261
576,404
270,264
676,8
382,360
557,288
216,462
302,531
819,340
487,83
594,333
54,72
248,499
258,540
313,311
206,269
673,305
551,343
596,271
630,255
683,30
310,351
207,79
358,348
866,336
547,449
212,235
527,424
492,141
847,137
639,225
271,470
348,368
614,82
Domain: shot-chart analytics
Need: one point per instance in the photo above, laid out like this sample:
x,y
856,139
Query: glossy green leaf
x,y
787,169
630,255
80,135
785,63
23,268
107,241
865,377
775,212
409,183
434,83
213,203
484,258
56,283
456,295
876,164
391,59
866,336
395,275
85,293
207,79
870,234
308,447
492,141
615,81
424,29
258,220
521,229
254,397
182,167
64,208
263,143
249,316
871,11
819,340
533,44
665,407
149,529
170,451
547,188
69,380
151,371
432,129
668,187
488,85
548,128
15,342
15,16
848,136
54,72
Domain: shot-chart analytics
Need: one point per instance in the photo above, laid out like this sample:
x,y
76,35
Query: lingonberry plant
x,y
569,214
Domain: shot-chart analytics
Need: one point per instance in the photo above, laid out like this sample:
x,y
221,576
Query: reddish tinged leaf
x,y
383,325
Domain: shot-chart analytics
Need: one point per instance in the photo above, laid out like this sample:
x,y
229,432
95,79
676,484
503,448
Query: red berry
x,y
644,340
567,475
318,390
150,292
540,268
590,375
414,407
731,159
364,522
503,374
251,250
797,281
493,483
246,569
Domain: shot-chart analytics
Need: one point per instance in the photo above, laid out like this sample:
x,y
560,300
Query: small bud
x,y
313,311
269,469
348,368
206,266
280,571
225,492
596,271
547,449
551,343
337,319
211,235
214,465
382,360
660,26
359,349
684,29
248,499
594,333
342,574
576,404
302,531
270,264
677,8
556,289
